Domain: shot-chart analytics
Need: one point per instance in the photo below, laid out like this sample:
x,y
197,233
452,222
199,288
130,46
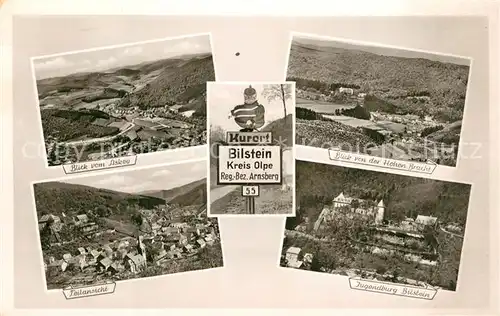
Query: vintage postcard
x,y
251,137
126,225
377,228
373,100
100,108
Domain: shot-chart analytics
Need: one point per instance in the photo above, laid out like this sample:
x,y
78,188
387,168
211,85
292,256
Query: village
x,y
138,131
104,249
397,136
411,240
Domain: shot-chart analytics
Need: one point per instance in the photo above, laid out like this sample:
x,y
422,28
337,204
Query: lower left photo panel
x,y
118,226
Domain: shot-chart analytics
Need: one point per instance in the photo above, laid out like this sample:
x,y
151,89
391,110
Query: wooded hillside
x,y
404,196
391,79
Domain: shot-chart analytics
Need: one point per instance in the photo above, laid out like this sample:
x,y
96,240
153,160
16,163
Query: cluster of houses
x,y
374,211
139,130
124,255
134,112
167,240
297,259
419,223
294,258
416,147
81,223
407,234
414,124
114,110
350,93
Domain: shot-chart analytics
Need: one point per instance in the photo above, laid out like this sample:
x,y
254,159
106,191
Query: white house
x,y
292,254
346,90
426,220
292,257
341,200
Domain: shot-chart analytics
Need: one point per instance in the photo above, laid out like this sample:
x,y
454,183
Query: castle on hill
x,y
343,203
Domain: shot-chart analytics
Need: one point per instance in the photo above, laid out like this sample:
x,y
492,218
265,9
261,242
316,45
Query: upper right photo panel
x,y
377,100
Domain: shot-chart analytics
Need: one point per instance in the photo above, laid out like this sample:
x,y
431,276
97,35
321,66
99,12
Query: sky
x,y
109,58
156,178
381,50
222,98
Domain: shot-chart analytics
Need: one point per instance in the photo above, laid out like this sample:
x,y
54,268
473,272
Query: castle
x,y
360,207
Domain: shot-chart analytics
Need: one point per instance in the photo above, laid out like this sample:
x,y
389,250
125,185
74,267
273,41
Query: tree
x,y
211,257
45,237
315,265
151,253
137,219
101,211
283,261
217,134
355,203
278,92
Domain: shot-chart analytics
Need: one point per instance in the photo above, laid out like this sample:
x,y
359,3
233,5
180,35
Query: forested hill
x,y
102,79
391,78
177,84
188,194
403,196
282,130
72,199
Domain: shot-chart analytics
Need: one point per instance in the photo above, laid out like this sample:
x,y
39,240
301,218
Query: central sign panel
x,y
249,160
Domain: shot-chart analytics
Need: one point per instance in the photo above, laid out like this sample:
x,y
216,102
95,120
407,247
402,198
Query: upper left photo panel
x,y
100,108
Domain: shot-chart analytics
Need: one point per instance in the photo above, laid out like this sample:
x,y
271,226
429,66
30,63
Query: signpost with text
x,y
249,159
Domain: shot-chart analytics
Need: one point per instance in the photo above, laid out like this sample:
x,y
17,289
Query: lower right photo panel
x,y
387,233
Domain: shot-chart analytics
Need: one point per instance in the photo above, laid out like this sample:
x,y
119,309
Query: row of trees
x,y
320,86
403,196
307,114
356,112
429,130
67,127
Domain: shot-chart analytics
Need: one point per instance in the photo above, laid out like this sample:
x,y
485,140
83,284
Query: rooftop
x,y
293,250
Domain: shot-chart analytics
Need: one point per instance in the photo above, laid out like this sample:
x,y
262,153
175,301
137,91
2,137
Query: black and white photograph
x,y
251,136
124,100
378,100
376,226
142,223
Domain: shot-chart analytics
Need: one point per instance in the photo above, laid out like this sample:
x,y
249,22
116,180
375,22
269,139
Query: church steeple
x,y
141,248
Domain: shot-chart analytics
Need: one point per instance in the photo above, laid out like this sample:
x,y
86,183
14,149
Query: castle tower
x,y
379,216
141,248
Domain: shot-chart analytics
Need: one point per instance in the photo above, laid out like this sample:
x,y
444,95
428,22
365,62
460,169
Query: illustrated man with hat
x,y
249,115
